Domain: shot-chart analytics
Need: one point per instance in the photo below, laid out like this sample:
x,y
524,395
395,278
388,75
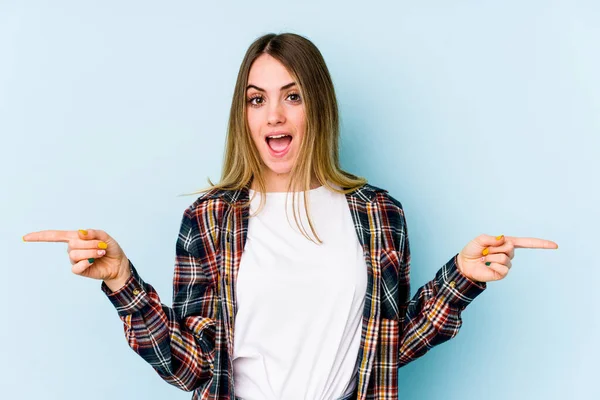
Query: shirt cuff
x,y
455,287
131,297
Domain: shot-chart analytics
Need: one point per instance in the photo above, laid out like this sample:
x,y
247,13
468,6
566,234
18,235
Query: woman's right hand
x,y
109,261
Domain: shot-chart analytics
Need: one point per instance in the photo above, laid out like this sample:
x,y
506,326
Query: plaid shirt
x,y
191,344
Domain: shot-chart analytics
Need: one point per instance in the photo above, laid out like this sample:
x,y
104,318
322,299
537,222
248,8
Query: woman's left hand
x,y
488,258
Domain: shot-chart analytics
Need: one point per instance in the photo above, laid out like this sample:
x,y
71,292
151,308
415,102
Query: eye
x,y
256,100
294,97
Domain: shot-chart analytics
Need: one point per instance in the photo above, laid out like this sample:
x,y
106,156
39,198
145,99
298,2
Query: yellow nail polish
x,y
499,237
83,231
102,245
485,252
24,239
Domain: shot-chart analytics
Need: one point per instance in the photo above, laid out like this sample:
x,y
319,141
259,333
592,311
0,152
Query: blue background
x,y
479,116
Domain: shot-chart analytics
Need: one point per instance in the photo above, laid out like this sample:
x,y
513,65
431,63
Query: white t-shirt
x,y
299,316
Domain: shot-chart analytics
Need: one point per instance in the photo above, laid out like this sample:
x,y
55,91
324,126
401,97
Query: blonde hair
x,y
320,146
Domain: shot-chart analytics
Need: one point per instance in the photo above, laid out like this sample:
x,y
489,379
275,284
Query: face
x,y
276,117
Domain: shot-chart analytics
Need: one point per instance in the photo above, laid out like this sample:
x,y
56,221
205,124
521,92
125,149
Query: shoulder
x,y
213,201
383,197
391,211
212,195
202,219
388,209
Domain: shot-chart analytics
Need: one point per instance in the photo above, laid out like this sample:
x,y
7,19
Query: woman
x,y
318,313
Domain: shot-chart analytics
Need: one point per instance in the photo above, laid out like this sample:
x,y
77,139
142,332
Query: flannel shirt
x,y
190,345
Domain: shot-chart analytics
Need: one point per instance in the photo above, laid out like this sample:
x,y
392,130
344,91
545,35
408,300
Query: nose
x,y
276,115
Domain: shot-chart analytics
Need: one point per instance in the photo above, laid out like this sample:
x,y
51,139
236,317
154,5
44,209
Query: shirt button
x,y
136,291
452,284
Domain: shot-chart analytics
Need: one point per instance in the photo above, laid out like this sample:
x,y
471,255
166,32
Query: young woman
x,y
267,308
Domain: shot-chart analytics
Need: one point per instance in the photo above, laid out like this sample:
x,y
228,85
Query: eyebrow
x,y
289,85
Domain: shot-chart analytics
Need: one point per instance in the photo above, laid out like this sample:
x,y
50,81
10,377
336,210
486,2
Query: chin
x,y
279,169
281,166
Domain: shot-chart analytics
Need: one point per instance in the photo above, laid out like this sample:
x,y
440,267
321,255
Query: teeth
x,y
276,136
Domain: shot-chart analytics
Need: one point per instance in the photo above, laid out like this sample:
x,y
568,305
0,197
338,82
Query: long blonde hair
x,y
320,146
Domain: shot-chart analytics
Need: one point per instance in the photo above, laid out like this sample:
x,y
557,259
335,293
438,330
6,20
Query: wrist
x,y
459,267
117,283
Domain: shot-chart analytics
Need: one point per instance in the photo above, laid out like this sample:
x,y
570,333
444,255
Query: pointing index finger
x,y
532,243
50,236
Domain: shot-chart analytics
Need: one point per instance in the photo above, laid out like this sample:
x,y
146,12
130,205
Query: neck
x,y
280,182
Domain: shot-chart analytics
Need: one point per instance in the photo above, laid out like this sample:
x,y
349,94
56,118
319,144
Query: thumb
x,y
93,234
488,241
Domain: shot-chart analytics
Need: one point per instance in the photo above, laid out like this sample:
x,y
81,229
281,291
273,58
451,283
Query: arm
x,y
177,342
433,315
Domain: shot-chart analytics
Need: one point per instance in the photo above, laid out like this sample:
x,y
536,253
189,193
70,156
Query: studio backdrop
x,y
479,116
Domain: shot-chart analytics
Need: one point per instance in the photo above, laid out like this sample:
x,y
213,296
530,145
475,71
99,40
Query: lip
x,y
274,133
282,153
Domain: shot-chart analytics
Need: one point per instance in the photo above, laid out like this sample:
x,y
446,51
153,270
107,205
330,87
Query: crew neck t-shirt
x,y
299,304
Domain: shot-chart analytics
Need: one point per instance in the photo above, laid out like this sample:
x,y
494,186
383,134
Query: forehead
x,y
267,71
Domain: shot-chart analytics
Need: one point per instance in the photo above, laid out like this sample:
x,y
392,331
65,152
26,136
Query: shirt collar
x,y
365,193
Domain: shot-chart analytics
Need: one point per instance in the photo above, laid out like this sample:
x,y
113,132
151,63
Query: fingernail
x,y
101,252
485,252
91,260
488,263
499,237
24,239
83,231
482,259
102,245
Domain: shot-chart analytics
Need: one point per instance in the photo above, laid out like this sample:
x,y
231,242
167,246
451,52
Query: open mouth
x,y
279,143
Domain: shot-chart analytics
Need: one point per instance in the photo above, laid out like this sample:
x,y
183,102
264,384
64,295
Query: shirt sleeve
x,y
433,315
177,342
